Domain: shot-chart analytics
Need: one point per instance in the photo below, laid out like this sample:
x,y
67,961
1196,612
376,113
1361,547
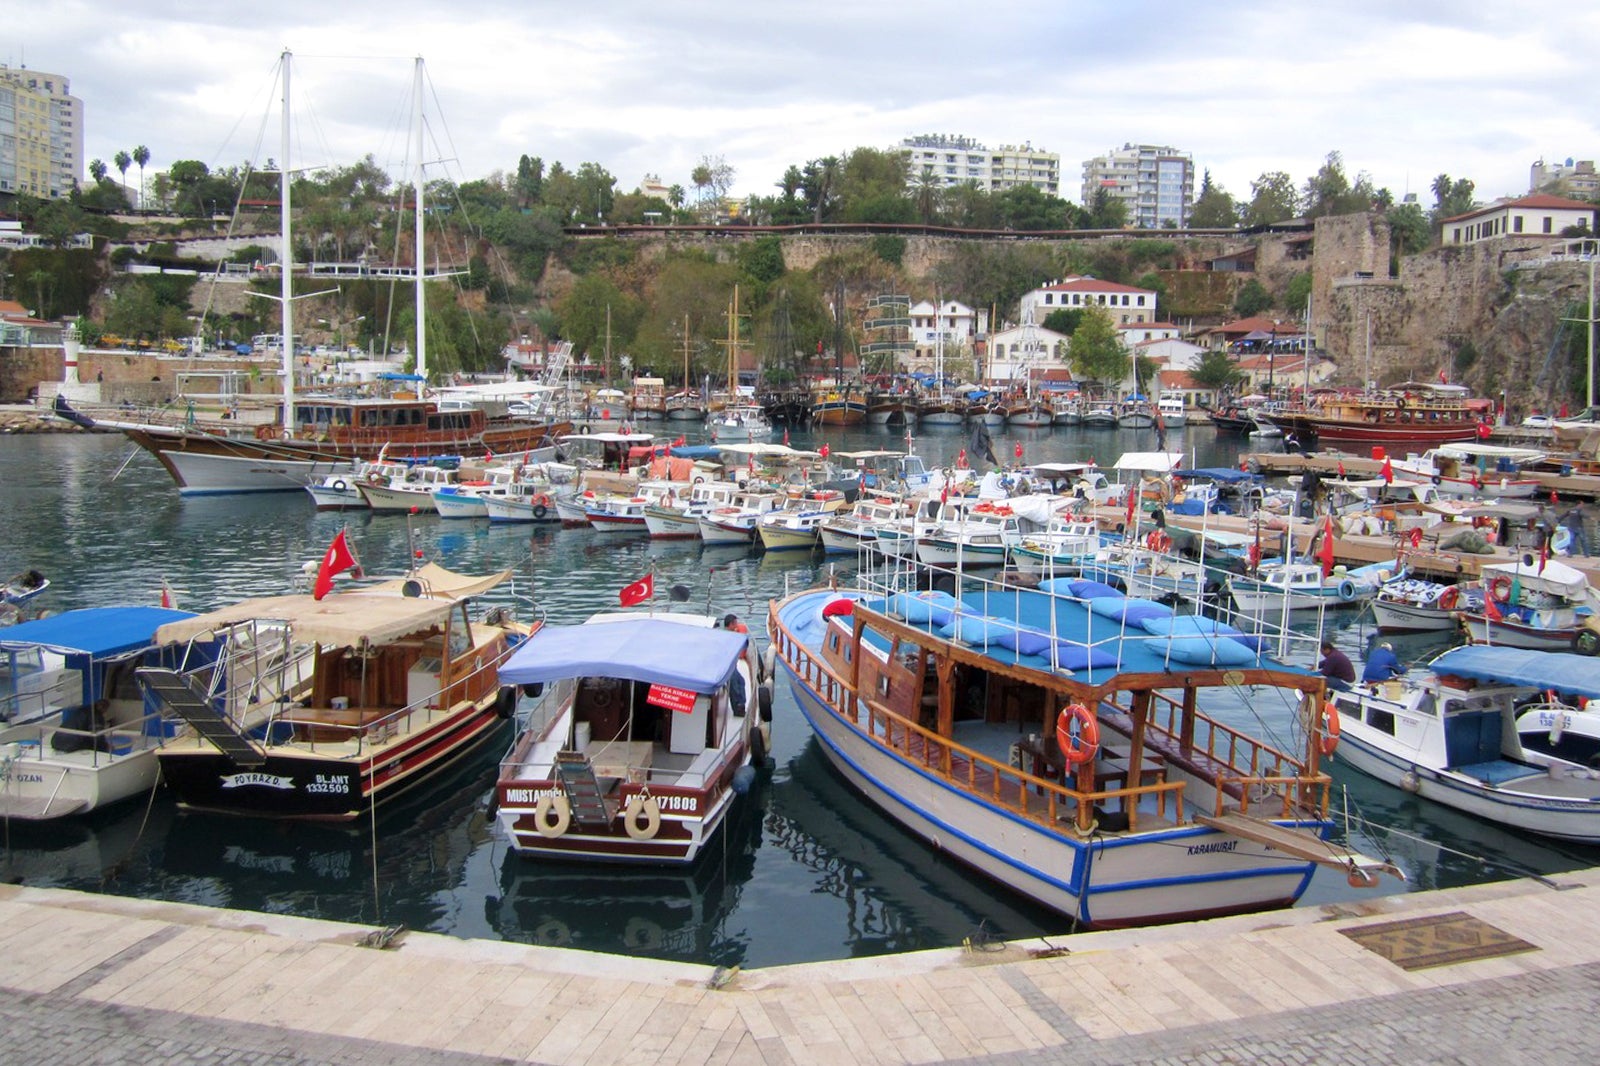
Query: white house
x,y
1170,352
1537,215
1016,351
1124,303
1136,333
954,319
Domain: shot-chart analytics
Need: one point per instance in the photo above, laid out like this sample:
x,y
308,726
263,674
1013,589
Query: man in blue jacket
x,y
1382,664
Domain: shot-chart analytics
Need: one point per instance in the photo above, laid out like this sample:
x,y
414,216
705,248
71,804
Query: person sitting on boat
x,y
1573,521
732,623
1336,667
1382,665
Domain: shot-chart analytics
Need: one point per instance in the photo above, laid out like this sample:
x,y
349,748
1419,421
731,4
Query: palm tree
x,y
97,170
123,161
141,155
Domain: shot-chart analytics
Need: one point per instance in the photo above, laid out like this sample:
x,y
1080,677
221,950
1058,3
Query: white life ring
x,y
548,803
340,486
650,807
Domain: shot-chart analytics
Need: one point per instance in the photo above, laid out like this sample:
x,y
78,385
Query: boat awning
x,y
767,451
1575,675
1553,576
653,650
1157,462
1226,475
96,631
378,614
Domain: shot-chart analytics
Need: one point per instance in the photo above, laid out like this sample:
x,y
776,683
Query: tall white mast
x,y
286,261
422,298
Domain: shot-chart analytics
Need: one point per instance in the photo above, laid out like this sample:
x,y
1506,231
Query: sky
x,y
1403,90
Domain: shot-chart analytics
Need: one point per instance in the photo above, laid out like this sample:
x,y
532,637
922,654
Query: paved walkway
x,y
100,979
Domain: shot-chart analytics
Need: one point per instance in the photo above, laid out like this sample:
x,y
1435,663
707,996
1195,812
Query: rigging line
x,y
1504,864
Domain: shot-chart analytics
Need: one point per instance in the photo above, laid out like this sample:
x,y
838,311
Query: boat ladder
x,y
191,704
576,774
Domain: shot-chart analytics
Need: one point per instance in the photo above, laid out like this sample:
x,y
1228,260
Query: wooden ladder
x,y
576,774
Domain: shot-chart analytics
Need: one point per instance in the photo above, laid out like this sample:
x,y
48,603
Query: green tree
x,y
1063,320
819,180
1217,371
530,180
970,206
1107,211
1252,298
583,312
1272,200
1097,352
1451,197
761,260
1298,293
872,187
123,161
1409,231
1025,207
141,156
97,170
1213,208
925,191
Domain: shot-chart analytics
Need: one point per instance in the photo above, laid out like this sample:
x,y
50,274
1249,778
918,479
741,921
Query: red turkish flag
x,y
639,591
1326,554
1341,468
337,560
1387,471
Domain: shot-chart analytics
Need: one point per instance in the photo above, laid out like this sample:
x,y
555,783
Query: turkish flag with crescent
x,y
337,560
639,591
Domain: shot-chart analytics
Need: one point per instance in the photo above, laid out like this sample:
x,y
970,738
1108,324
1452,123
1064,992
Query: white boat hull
x,y
1514,635
1397,617
384,499
40,784
198,474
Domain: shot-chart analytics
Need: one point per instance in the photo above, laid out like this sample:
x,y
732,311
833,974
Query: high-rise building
x,y
1565,179
951,160
41,134
1157,184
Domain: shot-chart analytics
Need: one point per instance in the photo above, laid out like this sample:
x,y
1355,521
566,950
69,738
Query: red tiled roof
x,y
1091,285
1279,363
1257,323
1180,379
1538,201
1148,325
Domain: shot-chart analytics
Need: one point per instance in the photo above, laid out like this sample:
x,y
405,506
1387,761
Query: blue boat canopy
x,y
647,649
392,376
95,631
1226,475
1575,675
694,451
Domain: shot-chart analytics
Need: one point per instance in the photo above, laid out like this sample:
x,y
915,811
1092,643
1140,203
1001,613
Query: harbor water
x,y
806,869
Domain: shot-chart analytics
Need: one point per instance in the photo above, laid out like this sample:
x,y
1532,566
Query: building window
x,y
1547,223
1048,297
1516,224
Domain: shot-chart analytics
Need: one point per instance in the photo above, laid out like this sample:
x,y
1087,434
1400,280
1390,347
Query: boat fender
x,y
764,701
743,778
552,803
1081,746
642,805
1361,878
539,510
758,748
1330,728
1347,590
1500,588
340,486
642,934
769,662
1449,598
505,704
1410,783
1558,727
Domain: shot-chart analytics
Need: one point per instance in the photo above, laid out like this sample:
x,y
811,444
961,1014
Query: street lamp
x,y
1272,351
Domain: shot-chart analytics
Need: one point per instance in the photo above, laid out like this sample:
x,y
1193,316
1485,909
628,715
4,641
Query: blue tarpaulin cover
x,y
94,631
1576,675
1227,475
647,649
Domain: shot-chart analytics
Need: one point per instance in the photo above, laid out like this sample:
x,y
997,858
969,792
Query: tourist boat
x,y
1172,411
647,729
836,406
618,513
1480,734
408,490
686,405
310,435
1475,470
972,534
470,498
1100,414
1545,607
1297,586
1136,413
320,708
1406,604
988,412
1061,549
1067,411
856,530
1030,413
678,517
1236,416
23,587
75,734
340,492
953,715
648,402
891,409
791,529
740,422
1405,415
527,500
736,522
938,409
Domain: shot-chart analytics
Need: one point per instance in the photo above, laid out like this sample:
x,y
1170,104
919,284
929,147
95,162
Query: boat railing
x,y
33,740
1039,799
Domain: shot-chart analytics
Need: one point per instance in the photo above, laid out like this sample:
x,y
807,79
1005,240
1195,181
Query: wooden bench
x,y
331,725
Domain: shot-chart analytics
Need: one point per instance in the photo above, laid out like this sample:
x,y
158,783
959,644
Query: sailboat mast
x,y
733,348
422,297
286,282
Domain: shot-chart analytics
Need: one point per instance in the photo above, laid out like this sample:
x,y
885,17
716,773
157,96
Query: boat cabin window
x,y
1381,720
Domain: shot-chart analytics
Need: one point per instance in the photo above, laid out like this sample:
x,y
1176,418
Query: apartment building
x,y
1155,182
954,160
1575,179
41,134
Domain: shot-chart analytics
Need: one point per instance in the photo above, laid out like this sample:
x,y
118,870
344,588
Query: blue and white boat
x,y
77,732
1496,732
640,741
1295,586
1056,744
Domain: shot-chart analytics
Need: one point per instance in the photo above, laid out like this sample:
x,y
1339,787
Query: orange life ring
x,y
1500,588
1157,540
1330,728
1449,598
1077,748
984,506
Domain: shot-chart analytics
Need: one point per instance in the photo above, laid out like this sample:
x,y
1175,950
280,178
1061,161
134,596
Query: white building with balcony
x,y
950,160
949,322
1154,181
1017,351
1125,304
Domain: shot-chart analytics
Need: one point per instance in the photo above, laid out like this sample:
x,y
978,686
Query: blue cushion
x,y
1023,641
1206,651
1084,589
934,606
1080,657
1130,610
1198,625
974,629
